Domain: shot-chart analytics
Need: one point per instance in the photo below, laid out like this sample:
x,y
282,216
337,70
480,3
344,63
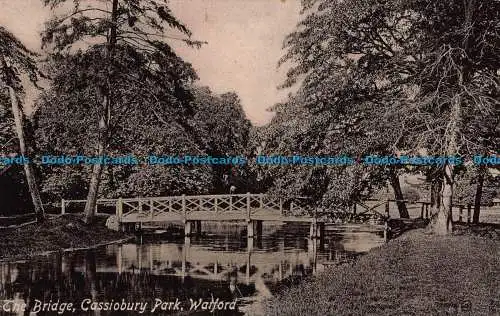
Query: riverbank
x,y
416,274
55,234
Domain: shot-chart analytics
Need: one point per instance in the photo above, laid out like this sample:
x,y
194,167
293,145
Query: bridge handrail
x,y
193,197
186,203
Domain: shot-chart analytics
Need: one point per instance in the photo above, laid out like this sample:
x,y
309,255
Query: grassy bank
x,y
53,235
416,274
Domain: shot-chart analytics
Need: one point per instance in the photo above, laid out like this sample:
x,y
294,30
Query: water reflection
x,y
222,264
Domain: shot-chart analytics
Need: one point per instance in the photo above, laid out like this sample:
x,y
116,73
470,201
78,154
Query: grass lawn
x,y
416,274
54,234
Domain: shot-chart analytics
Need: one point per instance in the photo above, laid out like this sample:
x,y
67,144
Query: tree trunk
x,y
28,169
90,205
436,187
478,195
104,119
398,194
442,224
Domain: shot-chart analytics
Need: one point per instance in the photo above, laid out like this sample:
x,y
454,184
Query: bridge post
x,y
119,213
468,213
254,229
422,210
460,213
248,206
183,201
250,244
151,208
192,228
281,206
250,229
317,230
188,228
197,227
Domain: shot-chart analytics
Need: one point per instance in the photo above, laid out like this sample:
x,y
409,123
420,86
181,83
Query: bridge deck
x,y
255,214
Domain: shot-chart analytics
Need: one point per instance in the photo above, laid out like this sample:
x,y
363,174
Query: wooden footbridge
x,y
210,208
136,213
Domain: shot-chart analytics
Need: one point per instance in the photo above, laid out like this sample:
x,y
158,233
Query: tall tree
x,y
15,59
347,81
224,131
424,67
138,25
150,118
458,78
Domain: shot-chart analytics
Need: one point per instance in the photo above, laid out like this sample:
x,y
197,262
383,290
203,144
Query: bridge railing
x,y
185,204
182,205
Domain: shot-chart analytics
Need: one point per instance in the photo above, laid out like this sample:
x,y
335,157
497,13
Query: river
x,y
220,272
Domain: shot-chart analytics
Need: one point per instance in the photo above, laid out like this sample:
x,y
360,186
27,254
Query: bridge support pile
x,y
254,229
192,228
317,230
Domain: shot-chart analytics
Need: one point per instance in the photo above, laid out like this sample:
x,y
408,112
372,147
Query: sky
x,y
244,43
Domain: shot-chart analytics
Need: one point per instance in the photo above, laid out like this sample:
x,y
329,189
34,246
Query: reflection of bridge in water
x,y
201,263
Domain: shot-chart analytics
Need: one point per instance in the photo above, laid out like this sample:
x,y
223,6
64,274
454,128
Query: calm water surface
x,y
221,264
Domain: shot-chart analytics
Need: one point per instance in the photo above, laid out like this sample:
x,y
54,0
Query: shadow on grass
x,y
400,225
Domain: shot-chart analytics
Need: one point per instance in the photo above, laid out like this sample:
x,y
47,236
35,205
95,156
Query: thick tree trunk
x,y
28,169
436,186
104,119
478,195
442,223
95,180
398,194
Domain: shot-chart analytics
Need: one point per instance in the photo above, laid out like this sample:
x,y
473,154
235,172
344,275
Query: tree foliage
x,y
127,30
381,77
147,112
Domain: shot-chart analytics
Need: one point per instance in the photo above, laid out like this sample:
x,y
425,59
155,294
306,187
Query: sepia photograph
x,y
249,157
